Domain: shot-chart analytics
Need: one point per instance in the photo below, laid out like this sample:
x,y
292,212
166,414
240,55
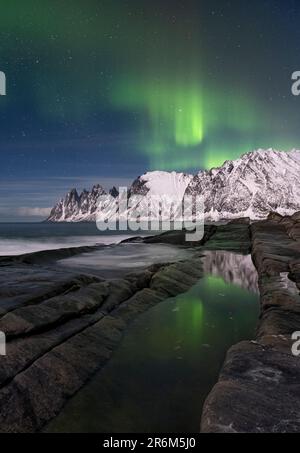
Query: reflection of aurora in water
x,y
233,268
209,305
167,363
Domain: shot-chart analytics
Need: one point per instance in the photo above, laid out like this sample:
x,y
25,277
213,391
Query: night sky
x,y
104,90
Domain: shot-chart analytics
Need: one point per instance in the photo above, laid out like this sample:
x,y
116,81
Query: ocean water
x,y
20,238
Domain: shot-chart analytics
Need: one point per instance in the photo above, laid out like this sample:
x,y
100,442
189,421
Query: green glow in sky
x,y
174,110
185,122
188,117
169,83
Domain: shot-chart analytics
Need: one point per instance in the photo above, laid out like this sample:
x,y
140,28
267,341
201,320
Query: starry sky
x,y
104,90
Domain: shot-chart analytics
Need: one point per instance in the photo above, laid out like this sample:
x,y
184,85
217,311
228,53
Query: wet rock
x,y
233,237
54,311
274,217
296,216
258,391
38,393
259,386
241,221
23,285
63,328
177,237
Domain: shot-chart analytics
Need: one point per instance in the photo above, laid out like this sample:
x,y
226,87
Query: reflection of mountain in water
x,y
236,269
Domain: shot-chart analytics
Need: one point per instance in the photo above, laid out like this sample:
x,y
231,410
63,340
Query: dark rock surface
x,y
258,390
63,326
234,236
259,386
176,237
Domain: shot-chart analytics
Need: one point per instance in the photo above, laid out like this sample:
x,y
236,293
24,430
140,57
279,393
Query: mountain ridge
x,y
251,186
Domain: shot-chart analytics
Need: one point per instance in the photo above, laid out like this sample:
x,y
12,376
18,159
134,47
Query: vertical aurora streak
x,y
131,86
184,124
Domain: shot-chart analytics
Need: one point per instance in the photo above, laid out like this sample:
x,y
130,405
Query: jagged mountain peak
x,y
114,192
256,156
75,208
251,186
258,182
73,193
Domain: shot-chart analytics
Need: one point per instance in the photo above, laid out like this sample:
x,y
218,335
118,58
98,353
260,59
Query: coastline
x,y
258,388
62,333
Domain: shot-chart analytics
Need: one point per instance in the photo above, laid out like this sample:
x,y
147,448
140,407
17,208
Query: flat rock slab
x,y
28,285
258,391
62,328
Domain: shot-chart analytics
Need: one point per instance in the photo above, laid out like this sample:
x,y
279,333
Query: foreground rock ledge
x,y
62,327
259,387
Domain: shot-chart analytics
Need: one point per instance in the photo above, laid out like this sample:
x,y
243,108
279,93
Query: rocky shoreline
x,y
63,326
259,386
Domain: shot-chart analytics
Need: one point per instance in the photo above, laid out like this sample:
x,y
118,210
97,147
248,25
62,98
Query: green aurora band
x,y
183,121
193,87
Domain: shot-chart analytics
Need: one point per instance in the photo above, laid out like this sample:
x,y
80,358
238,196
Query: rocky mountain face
x,y
153,185
252,186
75,207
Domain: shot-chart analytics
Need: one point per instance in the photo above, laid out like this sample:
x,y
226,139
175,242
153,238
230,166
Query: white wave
x,y
118,260
14,247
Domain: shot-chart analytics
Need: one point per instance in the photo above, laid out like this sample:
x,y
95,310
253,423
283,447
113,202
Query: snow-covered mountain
x,y
252,186
153,185
160,183
76,208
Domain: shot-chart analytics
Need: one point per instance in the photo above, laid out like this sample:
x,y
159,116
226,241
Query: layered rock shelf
x,y
62,327
259,386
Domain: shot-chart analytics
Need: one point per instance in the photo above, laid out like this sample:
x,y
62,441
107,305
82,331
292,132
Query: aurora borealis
x,y
101,89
